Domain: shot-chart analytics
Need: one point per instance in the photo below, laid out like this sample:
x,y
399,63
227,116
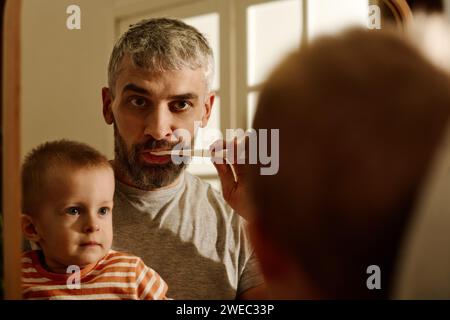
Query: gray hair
x,y
162,44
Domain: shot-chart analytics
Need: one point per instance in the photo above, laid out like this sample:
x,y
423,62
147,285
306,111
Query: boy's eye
x,y
103,211
181,105
138,102
73,211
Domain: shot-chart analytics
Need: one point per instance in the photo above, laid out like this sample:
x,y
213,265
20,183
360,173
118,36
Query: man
x,y
160,75
360,117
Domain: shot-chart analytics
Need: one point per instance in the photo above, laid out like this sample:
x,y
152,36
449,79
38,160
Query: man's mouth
x,y
151,158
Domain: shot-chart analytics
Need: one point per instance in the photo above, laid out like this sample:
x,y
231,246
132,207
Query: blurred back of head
x,y
360,116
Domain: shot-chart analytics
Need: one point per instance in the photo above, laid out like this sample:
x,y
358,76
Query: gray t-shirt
x,y
189,235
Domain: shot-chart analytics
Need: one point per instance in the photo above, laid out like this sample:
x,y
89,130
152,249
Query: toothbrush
x,y
192,153
198,153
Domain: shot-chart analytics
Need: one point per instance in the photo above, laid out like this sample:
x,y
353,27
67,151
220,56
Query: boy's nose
x,y
91,225
89,228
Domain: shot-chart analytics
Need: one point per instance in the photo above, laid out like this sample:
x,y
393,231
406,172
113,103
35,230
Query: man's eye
x,y
138,102
181,105
73,211
104,211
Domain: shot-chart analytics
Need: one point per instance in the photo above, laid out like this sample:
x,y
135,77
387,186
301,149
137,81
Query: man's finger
x,y
226,175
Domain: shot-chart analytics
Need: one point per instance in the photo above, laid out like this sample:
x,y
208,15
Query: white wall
x,y
63,72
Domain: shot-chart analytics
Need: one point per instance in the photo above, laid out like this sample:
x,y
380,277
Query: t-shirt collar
x,y
133,192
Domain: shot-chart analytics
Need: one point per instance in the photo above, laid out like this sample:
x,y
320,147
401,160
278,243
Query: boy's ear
x,y
29,228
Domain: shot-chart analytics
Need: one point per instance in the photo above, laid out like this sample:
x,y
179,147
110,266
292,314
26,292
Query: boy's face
x,y
74,220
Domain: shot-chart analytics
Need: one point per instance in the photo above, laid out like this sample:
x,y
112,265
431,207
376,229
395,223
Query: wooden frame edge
x,y
12,142
11,150
401,10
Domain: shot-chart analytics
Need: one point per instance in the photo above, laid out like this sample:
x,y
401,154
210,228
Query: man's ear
x,y
207,108
29,228
107,105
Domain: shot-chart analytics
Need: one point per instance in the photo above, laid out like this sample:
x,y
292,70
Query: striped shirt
x,y
118,275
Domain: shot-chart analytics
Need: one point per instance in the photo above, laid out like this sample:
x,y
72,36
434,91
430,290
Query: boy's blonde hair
x,y
53,156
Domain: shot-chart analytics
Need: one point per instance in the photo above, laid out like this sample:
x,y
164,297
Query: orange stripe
x,y
78,292
32,275
108,265
113,279
108,269
117,260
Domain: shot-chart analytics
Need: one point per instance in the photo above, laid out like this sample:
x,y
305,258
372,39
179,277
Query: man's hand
x,y
234,192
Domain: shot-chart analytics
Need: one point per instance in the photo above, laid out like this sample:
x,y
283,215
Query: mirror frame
x,y
401,10
12,239
11,185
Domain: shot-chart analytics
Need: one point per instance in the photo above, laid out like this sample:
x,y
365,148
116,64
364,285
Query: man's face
x,y
146,110
74,220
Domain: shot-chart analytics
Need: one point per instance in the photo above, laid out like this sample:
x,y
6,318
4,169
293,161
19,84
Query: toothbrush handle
x,y
217,154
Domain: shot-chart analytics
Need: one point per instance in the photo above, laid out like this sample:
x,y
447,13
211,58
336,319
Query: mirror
x,y
55,62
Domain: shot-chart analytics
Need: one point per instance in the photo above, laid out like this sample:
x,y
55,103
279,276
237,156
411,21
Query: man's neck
x,y
125,179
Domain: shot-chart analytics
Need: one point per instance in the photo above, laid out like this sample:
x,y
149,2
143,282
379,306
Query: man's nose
x,y
91,224
158,124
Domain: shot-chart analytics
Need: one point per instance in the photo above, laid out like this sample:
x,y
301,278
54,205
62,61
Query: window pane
x,y
331,16
252,101
208,24
273,30
206,136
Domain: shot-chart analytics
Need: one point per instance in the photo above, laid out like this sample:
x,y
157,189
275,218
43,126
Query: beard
x,y
145,176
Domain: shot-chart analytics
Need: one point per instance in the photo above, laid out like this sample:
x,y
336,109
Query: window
x,y
330,16
267,43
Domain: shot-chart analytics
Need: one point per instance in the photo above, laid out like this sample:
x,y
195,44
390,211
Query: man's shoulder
x,y
199,185
204,191
212,200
